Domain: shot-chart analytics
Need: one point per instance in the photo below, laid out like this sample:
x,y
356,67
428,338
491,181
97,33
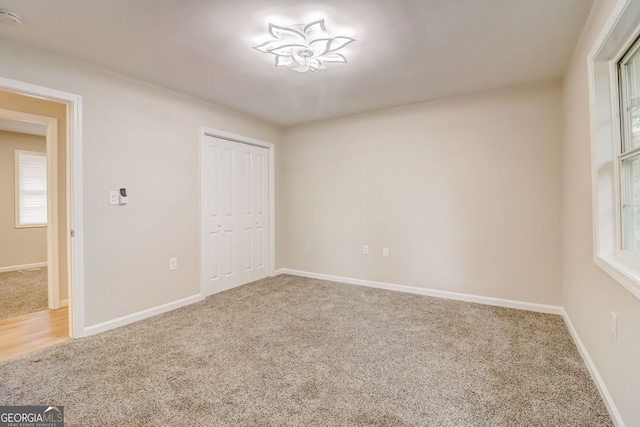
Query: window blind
x,y
32,189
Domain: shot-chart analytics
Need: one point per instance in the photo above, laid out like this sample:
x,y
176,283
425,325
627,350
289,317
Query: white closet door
x,y
235,211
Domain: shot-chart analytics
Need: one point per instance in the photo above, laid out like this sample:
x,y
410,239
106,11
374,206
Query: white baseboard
x,y
64,303
602,388
23,267
540,308
141,315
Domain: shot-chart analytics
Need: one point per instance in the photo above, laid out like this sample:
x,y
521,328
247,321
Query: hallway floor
x,y
33,331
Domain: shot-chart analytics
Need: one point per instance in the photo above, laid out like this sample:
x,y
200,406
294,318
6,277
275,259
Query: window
x,y
629,96
31,189
614,80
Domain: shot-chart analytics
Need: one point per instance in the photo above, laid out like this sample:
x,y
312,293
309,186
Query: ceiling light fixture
x,y
304,48
8,17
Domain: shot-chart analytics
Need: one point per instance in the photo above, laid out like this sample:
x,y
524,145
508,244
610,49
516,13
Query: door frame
x,y
74,220
51,138
271,246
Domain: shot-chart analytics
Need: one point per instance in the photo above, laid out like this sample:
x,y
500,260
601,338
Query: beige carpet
x,y
23,292
289,351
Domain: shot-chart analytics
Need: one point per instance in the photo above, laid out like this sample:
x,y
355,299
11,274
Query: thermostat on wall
x,y
124,199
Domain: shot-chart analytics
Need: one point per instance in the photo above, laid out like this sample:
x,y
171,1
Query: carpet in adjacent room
x,y
23,291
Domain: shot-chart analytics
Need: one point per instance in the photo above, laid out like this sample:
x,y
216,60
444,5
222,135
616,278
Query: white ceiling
x,y
407,50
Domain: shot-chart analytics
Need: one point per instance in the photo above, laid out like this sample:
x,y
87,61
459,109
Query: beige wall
x,y
18,246
41,107
589,295
464,191
145,138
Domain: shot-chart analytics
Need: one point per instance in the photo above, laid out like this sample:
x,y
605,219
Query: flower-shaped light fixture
x,y
304,47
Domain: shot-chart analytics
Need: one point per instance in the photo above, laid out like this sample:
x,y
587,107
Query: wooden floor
x,y
29,332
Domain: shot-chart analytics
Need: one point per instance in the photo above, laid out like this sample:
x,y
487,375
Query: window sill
x,y
31,226
623,273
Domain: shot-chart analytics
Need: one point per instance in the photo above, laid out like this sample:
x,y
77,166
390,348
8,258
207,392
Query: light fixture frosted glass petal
x,y
284,61
288,49
314,63
333,57
320,46
316,28
340,42
268,46
285,32
304,48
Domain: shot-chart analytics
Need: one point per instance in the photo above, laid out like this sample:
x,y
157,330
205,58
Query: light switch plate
x,y
114,198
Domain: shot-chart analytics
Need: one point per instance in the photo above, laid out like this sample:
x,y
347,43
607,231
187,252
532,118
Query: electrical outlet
x,y
365,249
173,264
614,325
385,252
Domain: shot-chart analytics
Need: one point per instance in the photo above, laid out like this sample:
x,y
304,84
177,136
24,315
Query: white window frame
x,y
618,34
18,193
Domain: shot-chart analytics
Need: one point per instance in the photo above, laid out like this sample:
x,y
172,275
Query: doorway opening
x,y
28,105
28,220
